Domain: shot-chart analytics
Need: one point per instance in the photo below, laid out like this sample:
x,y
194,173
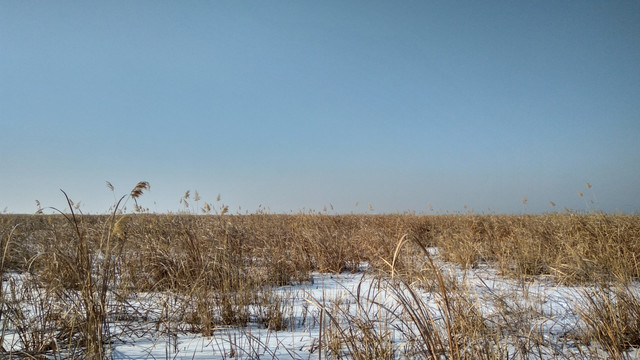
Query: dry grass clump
x,y
327,242
572,247
612,318
71,270
428,315
360,329
213,274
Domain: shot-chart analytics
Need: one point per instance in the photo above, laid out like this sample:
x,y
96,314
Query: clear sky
x,y
296,105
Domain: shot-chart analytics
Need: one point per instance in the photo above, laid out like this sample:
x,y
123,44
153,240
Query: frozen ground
x,y
300,341
547,311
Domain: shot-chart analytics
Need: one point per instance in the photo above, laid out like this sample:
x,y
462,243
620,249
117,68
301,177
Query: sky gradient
x,y
294,105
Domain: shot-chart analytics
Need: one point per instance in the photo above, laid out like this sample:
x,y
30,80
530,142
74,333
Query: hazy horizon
x,y
294,106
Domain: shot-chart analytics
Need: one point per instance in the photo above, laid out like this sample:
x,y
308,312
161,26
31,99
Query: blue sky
x,y
296,105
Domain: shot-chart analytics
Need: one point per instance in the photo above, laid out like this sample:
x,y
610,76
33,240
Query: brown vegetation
x,y
81,272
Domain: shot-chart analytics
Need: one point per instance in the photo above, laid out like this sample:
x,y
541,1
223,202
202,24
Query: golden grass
x,y
215,268
571,247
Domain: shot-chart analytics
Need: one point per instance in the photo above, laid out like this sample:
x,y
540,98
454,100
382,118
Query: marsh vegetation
x,y
460,286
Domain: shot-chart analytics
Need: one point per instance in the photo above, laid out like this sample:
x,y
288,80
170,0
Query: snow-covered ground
x,y
299,341
548,311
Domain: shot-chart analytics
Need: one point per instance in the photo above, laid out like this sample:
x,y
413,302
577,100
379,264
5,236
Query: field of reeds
x,y
463,286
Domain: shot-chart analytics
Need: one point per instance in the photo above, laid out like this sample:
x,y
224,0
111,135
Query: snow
x,y
550,311
253,341
551,306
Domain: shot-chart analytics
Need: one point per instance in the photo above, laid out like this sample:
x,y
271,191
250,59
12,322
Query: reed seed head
x,y
139,188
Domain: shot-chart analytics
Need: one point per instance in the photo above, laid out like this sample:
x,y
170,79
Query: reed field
x,y
214,285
